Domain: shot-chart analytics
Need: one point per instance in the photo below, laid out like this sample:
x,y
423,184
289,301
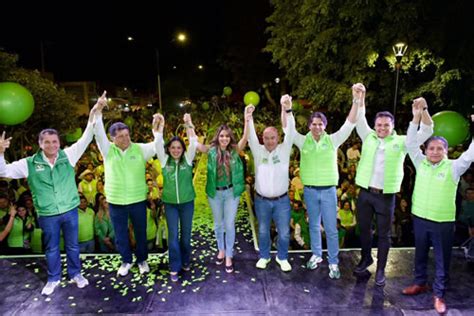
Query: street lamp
x,y
180,37
399,50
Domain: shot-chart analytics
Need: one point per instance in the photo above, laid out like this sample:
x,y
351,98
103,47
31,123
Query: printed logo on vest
x,y
264,160
324,146
133,157
276,159
39,168
441,175
396,147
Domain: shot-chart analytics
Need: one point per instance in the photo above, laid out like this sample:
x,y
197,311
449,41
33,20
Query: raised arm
x,y
99,130
463,163
363,129
411,143
339,137
191,150
247,116
15,170
158,126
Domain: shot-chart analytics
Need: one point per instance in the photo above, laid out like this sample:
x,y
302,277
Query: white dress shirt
x,y
19,169
459,165
271,168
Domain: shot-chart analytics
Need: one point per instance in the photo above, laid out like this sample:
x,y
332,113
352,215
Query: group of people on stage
x,y
51,178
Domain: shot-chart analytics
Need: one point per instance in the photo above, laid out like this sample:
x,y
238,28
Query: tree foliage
x,y
53,107
325,46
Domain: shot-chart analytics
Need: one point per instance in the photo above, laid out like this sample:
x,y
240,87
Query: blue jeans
x,y
52,226
441,236
180,219
87,246
224,209
322,202
280,211
119,215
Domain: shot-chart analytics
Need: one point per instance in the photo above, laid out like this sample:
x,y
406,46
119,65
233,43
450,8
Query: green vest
x,y
86,224
36,240
236,168
54,190
150,226
434,194
318,165
125,175
17,235
395,152
178,182
346,217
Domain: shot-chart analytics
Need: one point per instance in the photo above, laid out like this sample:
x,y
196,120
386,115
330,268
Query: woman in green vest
x,y
225,183
178,193
433,206
20,234
4,233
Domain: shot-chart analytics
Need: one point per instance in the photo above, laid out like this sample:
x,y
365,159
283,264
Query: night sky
x,y
88,42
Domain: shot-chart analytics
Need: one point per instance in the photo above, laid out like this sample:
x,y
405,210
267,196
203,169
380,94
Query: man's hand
x,y
4,143
158,120
249,112
285,102
99,106
358,94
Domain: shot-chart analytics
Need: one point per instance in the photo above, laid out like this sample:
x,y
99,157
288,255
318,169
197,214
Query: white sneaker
x,y
262,263
284,265
334,272
313,262
143,267
80,281
124,268
49,287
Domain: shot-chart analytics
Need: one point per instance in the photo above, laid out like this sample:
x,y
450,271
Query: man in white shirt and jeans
x,y
272,162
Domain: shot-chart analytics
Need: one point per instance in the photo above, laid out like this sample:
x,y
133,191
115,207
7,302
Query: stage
x,y
208,290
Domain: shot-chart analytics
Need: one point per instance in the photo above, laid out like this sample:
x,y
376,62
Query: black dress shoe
x,y
380,277
363,264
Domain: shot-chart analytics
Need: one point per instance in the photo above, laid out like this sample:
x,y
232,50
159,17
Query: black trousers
x,y
382,206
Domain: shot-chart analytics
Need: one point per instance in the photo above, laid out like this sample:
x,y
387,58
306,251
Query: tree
x,y
53,107
325,46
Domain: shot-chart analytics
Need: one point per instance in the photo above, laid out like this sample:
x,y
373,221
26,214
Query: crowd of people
x,y
337,190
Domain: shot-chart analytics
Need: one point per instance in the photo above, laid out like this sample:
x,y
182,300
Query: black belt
x,y
320,187
224,188
374,190
271,198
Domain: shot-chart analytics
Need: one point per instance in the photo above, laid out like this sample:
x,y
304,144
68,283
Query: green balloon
x,y
129,121
251,97
74,135
452,126
227,91
16,103
205,106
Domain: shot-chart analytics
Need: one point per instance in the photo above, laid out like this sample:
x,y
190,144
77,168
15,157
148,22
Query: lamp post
x,y
180,37
399,50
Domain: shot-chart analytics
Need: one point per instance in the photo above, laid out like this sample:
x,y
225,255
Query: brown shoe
x,y
415,289
439,305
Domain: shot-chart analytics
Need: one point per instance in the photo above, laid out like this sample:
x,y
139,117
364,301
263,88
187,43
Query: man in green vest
x,y
319,174
125,187
433,208
50,174
379,175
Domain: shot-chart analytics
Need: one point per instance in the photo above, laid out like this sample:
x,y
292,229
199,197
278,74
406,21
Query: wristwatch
x,y
355,101
289,111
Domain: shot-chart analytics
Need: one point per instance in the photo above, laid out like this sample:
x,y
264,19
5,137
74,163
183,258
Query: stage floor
x,y
208,289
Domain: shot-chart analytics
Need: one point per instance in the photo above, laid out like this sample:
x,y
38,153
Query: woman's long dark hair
x,y
223,157
177,139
